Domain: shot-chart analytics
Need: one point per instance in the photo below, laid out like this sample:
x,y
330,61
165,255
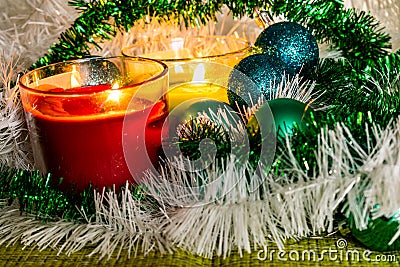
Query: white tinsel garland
x,y
29,27
233,213
378,178
125,224
15,149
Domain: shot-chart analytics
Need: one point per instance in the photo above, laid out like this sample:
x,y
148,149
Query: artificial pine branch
x,y
348,91
356,34
100,20
329,21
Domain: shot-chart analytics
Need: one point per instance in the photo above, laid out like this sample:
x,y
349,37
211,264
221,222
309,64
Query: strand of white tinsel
x,y
376,194
296,88
29,27
227,214
379,179
15,149
151,29
126,224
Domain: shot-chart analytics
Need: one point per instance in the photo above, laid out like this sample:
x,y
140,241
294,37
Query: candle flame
x,y
75,77
114,94
115,86
199,73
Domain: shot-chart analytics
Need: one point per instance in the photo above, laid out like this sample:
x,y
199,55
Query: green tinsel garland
x,y
41,195
356,34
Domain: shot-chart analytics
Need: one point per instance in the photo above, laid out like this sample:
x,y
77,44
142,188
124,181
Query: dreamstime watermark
x,y
340,252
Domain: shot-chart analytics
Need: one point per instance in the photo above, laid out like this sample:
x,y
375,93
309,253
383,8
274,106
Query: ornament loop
x,y
263,18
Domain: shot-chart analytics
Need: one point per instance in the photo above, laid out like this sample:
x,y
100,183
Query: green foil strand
x,y
378,233
347,91
41,196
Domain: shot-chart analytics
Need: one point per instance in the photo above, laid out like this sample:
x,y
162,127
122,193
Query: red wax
x,y
82,140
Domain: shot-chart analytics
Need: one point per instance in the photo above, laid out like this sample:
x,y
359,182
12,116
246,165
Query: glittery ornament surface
x,y
255,76
292,43
94,72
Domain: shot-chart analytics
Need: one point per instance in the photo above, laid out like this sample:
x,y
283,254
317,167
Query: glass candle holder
x,y
93,121
190,76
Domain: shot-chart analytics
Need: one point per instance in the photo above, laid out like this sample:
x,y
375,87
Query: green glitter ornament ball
x,y
256,76
292,43
378,234
285,111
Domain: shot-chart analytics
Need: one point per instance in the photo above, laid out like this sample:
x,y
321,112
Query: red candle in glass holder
x,y
95,133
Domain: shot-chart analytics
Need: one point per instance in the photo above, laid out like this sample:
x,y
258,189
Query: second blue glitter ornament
x,y
292,43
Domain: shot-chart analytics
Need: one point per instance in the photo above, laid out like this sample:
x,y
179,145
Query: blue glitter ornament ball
x,y
255,76
292,43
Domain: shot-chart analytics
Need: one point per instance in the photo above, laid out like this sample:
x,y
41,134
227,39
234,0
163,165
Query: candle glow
x,y
115,94
196,64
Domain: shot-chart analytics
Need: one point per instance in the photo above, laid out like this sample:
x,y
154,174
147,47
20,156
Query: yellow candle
x,y
190,90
